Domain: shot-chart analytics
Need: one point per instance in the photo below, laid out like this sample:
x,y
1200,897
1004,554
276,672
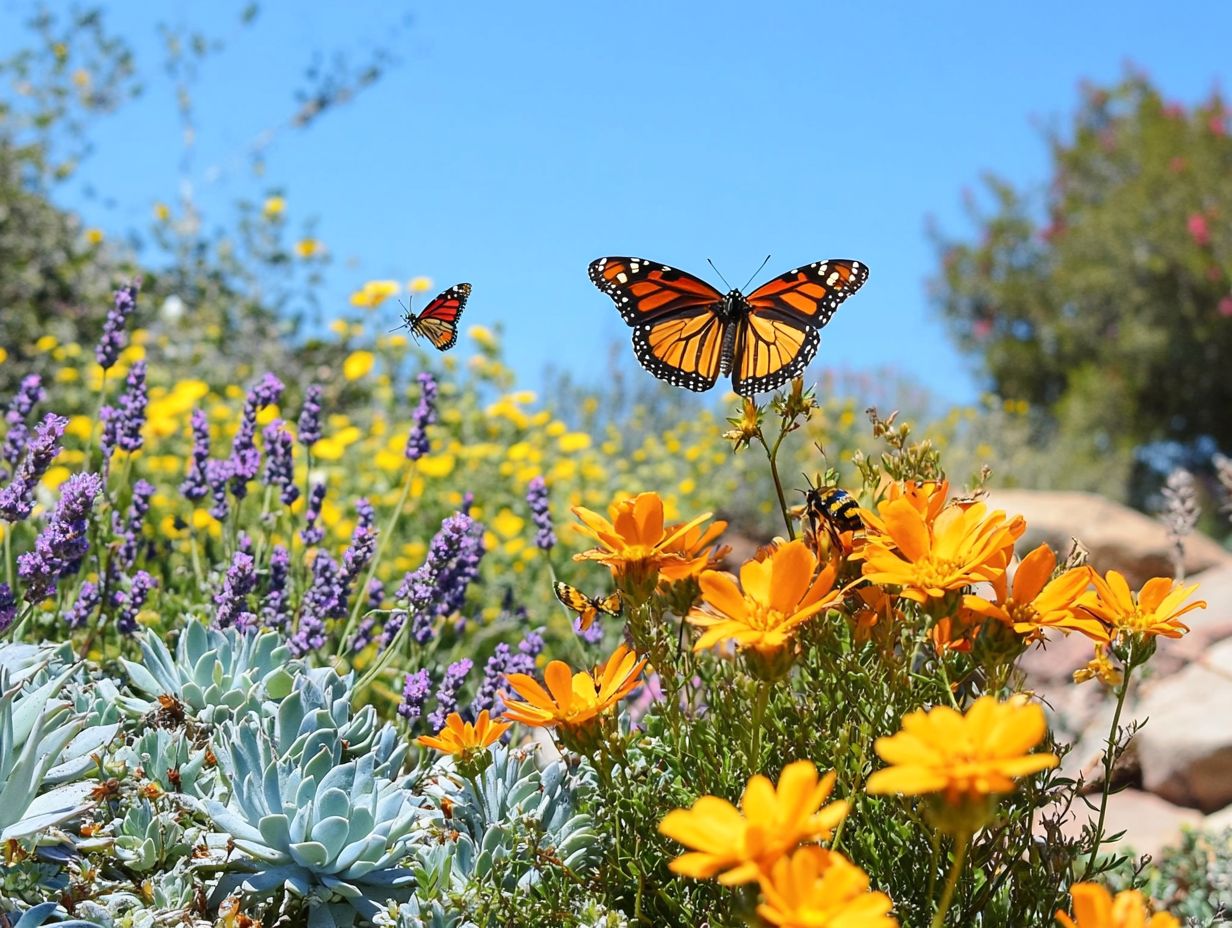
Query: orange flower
x,y
1094,907
1154,610
927,497
573,701
636,546
960,547
1100,668
741,844
779,594
696,545
459,737
816,888
1035,602
963,757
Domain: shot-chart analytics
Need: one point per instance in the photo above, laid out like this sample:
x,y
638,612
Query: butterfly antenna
x,y
720,273
756,272
407,322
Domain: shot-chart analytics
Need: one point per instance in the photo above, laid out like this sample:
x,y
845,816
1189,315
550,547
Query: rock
x,y
1218,821
1186,747
1116,536
1150,824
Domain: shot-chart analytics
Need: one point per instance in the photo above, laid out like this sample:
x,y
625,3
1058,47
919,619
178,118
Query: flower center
x,y
937,572
1025,613
759,615
1135,621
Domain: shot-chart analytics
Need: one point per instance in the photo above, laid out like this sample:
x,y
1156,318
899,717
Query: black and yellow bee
x,y
831,510
587,607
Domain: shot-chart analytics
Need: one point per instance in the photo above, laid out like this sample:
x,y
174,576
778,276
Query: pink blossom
x,y
1198,230
1225,306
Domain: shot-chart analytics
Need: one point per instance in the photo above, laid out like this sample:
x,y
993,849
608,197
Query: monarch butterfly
x,y
831,510
585,606
687,333
439,320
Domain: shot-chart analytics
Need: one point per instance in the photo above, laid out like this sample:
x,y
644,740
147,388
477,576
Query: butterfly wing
x,y
612,604
439,320
677,331
778,338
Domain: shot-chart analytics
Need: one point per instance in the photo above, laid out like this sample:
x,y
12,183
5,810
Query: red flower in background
x,y
1199,231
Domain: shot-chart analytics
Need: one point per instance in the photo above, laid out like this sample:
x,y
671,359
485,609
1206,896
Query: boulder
x,y
1116,536
1206,626
1185,749
1150,824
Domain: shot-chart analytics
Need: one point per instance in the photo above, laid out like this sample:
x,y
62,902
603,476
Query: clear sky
x,y
516,142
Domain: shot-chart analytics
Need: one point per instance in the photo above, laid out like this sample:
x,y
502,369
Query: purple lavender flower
x,y
128,529
414,693
425,415
364,631
541,513
275,606
245,459
129,602
217,473
8,607
503,661
231,601
438,587
312,533
592,635
17,499
114,337
309,426
133,402
279,463
447,694
324,599
196,485
62,545
28,395
110,418
360,551
88,596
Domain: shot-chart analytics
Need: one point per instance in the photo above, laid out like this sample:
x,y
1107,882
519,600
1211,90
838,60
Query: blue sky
x,y
516,142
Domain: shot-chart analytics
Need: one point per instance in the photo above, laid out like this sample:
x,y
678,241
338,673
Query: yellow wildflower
x,y
816,888
1094,907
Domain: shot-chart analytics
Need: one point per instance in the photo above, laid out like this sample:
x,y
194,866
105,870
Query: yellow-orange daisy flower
x,y
740,844
962,546
374,293
1155,610
695,544
1035,602
460,737
571,700
963,757
1094,907
636,546
816,888
775,596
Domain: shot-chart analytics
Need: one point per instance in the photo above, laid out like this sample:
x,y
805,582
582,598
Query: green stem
x,y
14,630
1109,759
759,711
772,456
383,659
381,541
951,882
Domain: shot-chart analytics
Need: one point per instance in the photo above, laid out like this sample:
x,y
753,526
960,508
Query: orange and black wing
x,y
778,338
677,331
439,320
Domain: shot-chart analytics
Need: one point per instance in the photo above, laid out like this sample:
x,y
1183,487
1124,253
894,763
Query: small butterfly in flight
x,y
688,333
587,607
438,322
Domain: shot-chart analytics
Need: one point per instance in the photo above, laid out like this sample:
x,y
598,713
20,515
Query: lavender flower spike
x,y
425,414
61,546
414,693
196,485
8,608
309,426
447,695
245,460
541,514
275,606
28,395
130,601
438,587
232,600
312,533
17,499
279,464
133,402
114,336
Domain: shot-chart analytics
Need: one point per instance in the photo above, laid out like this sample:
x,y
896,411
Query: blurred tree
x,y
1109,310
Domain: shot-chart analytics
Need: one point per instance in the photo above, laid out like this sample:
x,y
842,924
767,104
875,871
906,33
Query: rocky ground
x,y
1179,766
